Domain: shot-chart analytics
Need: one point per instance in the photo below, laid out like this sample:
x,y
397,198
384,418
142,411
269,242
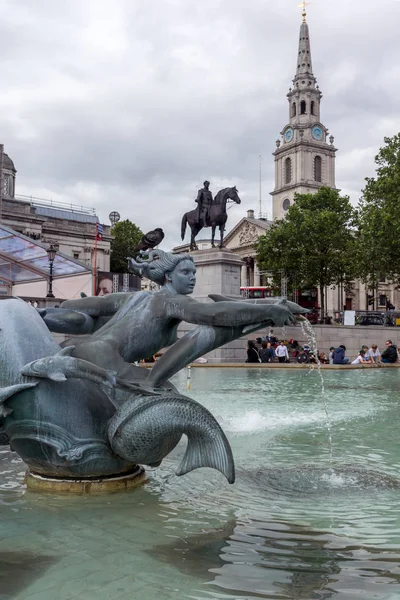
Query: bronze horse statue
x,y
216,217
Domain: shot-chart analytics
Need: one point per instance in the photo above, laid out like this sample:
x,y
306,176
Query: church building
x,y
305,157
304,160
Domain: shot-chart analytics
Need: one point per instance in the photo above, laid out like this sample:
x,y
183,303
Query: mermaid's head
x,y
159,265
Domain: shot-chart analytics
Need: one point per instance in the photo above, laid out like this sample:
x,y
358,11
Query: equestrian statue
x,y
209,213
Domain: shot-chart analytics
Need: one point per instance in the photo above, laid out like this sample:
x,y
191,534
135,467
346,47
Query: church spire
x,y
304,63
303,5
304,160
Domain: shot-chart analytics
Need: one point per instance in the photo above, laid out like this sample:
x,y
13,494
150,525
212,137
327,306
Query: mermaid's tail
x,y
146,428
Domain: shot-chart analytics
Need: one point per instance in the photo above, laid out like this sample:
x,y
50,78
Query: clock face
x,y
317,132
289,134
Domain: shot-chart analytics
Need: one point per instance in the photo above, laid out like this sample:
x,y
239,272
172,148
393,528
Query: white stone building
x,y
72,227
304,160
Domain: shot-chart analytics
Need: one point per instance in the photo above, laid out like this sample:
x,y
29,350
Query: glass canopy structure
x,y
24,260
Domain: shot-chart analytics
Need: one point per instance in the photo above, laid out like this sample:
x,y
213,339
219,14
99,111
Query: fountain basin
x,y
300,522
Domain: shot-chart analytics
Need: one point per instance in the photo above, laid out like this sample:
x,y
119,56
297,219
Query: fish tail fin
x,y
7,392
146,428
211,450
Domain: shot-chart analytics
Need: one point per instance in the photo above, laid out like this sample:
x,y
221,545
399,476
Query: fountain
x,y
84,417
298,523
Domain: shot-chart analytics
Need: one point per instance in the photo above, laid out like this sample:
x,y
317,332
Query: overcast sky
x,y
129,105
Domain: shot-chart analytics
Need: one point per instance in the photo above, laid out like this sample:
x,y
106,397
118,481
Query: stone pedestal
x,y
105,485
218,272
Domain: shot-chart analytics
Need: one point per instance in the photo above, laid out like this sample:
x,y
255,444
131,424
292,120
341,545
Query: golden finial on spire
x,y
303,5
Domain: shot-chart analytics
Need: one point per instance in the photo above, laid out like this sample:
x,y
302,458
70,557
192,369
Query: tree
x,y
127,235
379,218
314,244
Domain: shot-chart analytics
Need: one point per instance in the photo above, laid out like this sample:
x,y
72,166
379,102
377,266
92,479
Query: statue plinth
x,y
105,485
218,272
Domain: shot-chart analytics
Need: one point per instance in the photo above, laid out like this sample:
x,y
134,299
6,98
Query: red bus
x,y
260,291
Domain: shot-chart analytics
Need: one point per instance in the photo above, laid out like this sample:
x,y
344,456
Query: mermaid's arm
x,y
82,316
225,314
71,322
98,306
237,319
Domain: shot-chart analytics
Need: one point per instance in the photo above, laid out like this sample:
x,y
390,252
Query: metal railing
x,y
55,204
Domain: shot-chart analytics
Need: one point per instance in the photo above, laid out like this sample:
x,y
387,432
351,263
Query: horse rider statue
x,y
210,212
204,200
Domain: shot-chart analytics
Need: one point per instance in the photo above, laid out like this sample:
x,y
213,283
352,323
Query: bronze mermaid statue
x,y
86,410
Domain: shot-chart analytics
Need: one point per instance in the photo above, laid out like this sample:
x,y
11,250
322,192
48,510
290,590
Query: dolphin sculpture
x,y
63,365
294,308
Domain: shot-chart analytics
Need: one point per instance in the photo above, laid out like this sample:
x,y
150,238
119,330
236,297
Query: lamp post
x,y
51,254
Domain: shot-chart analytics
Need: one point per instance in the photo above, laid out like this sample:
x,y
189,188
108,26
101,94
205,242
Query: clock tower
x,y
305,156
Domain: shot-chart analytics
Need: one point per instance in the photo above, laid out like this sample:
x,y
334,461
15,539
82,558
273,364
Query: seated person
x,y
271,338
361,359
331,349
374,354
339,356
311,357
390,354
302,356
323,359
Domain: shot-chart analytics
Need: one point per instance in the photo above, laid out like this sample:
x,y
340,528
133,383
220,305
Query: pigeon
x,y
150,240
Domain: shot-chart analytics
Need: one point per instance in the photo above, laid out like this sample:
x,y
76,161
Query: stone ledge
x,y
291,366
40,483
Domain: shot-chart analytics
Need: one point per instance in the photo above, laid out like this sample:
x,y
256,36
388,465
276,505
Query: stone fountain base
x,y
105,485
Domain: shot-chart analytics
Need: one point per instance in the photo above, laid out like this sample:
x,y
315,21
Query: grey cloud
x,y
119,109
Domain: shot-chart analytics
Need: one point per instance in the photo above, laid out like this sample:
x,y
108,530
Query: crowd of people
x,y
270,350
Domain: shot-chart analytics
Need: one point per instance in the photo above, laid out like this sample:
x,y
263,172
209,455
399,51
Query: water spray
x,y
188,377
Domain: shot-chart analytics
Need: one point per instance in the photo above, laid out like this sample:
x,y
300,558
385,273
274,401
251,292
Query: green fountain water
x,y
303,521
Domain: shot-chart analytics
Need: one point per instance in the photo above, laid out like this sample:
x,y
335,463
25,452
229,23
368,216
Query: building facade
x,y
73,228
242,241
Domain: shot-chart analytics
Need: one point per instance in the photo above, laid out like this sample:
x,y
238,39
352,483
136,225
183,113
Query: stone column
x,y
251,272
256,274
361,301
243,276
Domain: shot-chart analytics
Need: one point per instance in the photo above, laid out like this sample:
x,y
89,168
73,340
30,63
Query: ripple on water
x,y
311,480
